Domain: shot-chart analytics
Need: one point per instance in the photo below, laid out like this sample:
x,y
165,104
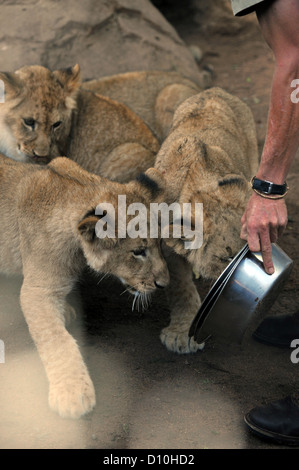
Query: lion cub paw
x,y
73,398
179,341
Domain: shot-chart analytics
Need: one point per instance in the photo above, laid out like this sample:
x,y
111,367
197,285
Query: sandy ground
x,y
147,397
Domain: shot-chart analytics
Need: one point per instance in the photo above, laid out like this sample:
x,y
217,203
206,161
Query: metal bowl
x,y
243,293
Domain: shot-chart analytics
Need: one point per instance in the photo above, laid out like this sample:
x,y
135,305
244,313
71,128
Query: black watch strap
x,y
267,187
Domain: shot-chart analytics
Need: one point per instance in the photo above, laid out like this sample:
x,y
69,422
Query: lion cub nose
x,y
42,154
159,286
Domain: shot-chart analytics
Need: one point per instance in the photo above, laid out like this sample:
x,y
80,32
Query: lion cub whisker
x,y
142,301
103,277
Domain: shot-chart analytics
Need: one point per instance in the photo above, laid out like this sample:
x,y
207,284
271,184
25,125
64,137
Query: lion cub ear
x,y
69,78
87,230
87,227
162,191
157,176
10,84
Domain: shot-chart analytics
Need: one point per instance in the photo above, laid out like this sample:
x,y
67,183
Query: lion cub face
x,y
222,209
136,260
35,118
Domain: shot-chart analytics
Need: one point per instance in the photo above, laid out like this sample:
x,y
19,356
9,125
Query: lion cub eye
x,y
29,122
57,124
139,252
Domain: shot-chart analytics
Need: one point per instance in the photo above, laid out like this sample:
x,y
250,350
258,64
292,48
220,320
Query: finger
x,y
282,219
253,241
243,218
266,250
243,232
273,234
280,231
282,225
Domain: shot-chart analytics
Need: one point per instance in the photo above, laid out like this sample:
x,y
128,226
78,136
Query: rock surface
x,y
104,36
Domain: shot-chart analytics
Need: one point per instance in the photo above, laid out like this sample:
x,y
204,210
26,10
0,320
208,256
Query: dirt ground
x,y
147,397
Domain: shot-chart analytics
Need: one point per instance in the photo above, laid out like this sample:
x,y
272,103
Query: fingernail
x,y
271,271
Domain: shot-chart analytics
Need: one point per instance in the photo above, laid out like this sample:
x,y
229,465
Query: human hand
x,y
262,223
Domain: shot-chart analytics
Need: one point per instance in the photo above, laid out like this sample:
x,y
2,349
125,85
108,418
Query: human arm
x,y
265,219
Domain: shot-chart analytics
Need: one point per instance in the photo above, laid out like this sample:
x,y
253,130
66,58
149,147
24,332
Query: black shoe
x,y
278,331
277,421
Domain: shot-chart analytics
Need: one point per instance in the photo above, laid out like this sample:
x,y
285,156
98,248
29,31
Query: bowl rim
x,y
212,298
216,290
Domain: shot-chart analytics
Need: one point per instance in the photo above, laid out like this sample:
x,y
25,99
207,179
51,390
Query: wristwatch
x,y
267,187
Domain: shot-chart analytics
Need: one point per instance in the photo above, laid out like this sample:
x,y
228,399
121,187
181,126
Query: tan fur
x,y
209,157
48,235
212,139
91,129
152,95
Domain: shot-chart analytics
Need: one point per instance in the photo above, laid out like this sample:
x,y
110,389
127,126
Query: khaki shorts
x,y
243,7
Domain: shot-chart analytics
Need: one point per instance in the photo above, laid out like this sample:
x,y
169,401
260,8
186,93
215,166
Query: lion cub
x,y
47,233
152,95
209,157
47,114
